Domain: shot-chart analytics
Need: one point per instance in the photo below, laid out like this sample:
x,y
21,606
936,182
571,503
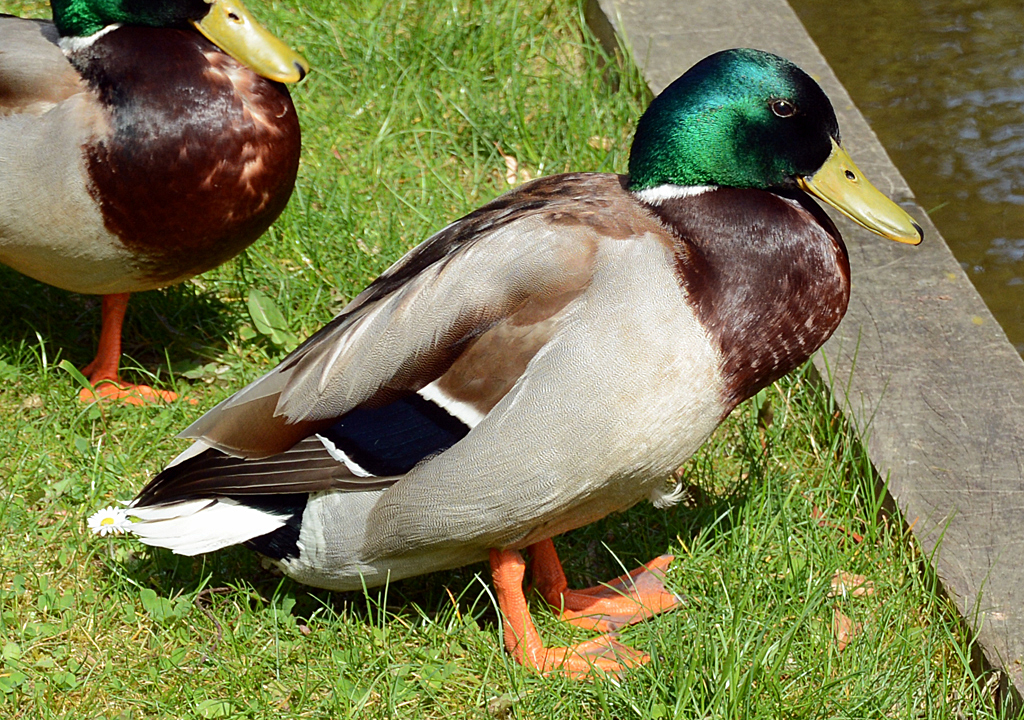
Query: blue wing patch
x,y
392,439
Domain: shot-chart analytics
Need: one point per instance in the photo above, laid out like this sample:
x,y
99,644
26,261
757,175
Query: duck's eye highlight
x,y
783,108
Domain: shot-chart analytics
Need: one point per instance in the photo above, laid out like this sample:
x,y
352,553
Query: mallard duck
x,y
542,362
141,143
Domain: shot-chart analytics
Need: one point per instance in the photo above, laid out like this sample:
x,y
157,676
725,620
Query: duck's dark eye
x,y
783,108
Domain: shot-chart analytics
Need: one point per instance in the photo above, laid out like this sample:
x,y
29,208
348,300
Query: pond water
x,y
942,84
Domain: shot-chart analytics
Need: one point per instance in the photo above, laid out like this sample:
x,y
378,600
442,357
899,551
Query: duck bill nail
x,y
841,184
231,27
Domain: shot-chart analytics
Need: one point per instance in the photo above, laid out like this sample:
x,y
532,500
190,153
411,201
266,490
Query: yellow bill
x,y
231,27
842,185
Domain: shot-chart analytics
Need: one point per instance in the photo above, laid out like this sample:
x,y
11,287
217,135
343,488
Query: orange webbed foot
x,y
606,608
102,371
127,394
603,654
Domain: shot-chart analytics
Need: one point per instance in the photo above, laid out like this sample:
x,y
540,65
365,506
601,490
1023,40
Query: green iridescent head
x,y
82,18
749,119
738,118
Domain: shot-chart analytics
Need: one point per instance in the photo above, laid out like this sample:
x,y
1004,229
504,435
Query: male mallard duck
x,y
142,154
542,362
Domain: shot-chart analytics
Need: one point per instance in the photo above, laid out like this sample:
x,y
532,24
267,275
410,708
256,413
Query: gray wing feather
x,y
34,74
402,341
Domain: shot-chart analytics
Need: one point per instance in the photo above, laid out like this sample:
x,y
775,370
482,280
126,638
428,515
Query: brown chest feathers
x,y
769,278
202,153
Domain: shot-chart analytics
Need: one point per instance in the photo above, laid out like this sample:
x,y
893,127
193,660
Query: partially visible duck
x,y
546,360
141,143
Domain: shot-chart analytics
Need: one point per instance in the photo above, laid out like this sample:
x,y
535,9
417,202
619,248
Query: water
x,y
942,84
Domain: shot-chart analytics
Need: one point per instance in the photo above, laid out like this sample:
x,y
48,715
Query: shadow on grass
x,y
176,323
173,575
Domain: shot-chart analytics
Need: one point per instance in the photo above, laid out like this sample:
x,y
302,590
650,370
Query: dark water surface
x,y
942,84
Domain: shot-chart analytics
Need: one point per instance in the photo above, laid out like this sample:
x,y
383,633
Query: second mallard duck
x,y
542,362
136,153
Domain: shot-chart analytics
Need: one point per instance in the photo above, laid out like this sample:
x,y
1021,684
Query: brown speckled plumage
x,y
768,275
203,152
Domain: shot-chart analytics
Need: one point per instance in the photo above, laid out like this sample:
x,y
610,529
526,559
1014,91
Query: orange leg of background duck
x,y
102,371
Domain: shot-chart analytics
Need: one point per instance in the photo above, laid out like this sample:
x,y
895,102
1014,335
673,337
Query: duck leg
x,y
524,643
605,608
102,371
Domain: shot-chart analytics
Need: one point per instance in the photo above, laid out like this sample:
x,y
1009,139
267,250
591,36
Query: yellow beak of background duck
x,y
231,27
842,185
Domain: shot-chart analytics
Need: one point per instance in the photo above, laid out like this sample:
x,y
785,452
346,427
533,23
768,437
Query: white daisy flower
x,y
110,521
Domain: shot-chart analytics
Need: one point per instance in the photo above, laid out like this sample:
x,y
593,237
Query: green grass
x,y
403,118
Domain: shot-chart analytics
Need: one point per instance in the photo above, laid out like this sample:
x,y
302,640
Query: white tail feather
x,y
200,526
